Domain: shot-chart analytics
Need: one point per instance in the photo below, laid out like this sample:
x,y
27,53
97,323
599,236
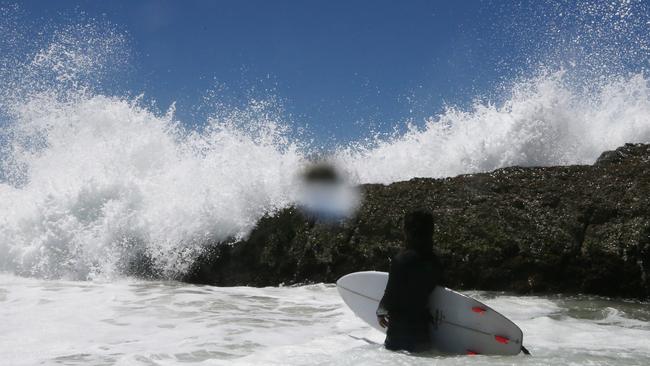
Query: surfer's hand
x,y
383,320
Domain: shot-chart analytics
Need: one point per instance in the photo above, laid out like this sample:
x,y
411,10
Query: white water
x,y
546,121
114,179
90,181
165,323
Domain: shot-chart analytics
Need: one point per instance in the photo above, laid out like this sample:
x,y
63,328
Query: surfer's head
x,y
418,231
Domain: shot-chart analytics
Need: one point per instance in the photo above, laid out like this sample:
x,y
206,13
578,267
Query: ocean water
x,y
91,181
132,322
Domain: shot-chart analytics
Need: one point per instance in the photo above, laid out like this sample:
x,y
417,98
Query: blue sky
x,y
342,68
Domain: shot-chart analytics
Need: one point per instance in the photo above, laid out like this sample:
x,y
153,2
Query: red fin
x,y
478,309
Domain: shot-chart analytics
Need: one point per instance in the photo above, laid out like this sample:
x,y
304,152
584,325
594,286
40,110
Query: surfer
x,y
414,273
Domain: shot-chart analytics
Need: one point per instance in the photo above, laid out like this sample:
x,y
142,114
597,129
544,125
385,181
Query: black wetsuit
x,y
411,279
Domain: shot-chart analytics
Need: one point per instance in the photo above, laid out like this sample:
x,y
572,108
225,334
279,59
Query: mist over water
x,y
91,181
545,121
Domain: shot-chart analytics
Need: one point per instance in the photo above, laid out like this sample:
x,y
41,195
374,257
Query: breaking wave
x,y
545,121
91,182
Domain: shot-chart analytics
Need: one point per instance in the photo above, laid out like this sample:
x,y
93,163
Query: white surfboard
x,y
461,325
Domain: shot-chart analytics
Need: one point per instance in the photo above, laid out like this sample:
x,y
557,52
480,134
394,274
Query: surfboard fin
x,y
478,309
525,351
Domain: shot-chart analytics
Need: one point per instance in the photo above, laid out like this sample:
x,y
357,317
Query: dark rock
x,y
626,153
573,229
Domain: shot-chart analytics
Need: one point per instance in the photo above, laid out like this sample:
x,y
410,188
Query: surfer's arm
x,y
385,305
386,302
381,309
382,313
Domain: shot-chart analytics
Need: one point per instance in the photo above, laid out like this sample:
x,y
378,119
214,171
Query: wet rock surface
x,y
569,229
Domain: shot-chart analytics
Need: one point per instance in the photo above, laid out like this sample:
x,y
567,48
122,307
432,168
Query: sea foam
x,y
93,181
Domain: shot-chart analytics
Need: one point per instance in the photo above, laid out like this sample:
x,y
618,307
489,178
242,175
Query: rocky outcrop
x,y
570,229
